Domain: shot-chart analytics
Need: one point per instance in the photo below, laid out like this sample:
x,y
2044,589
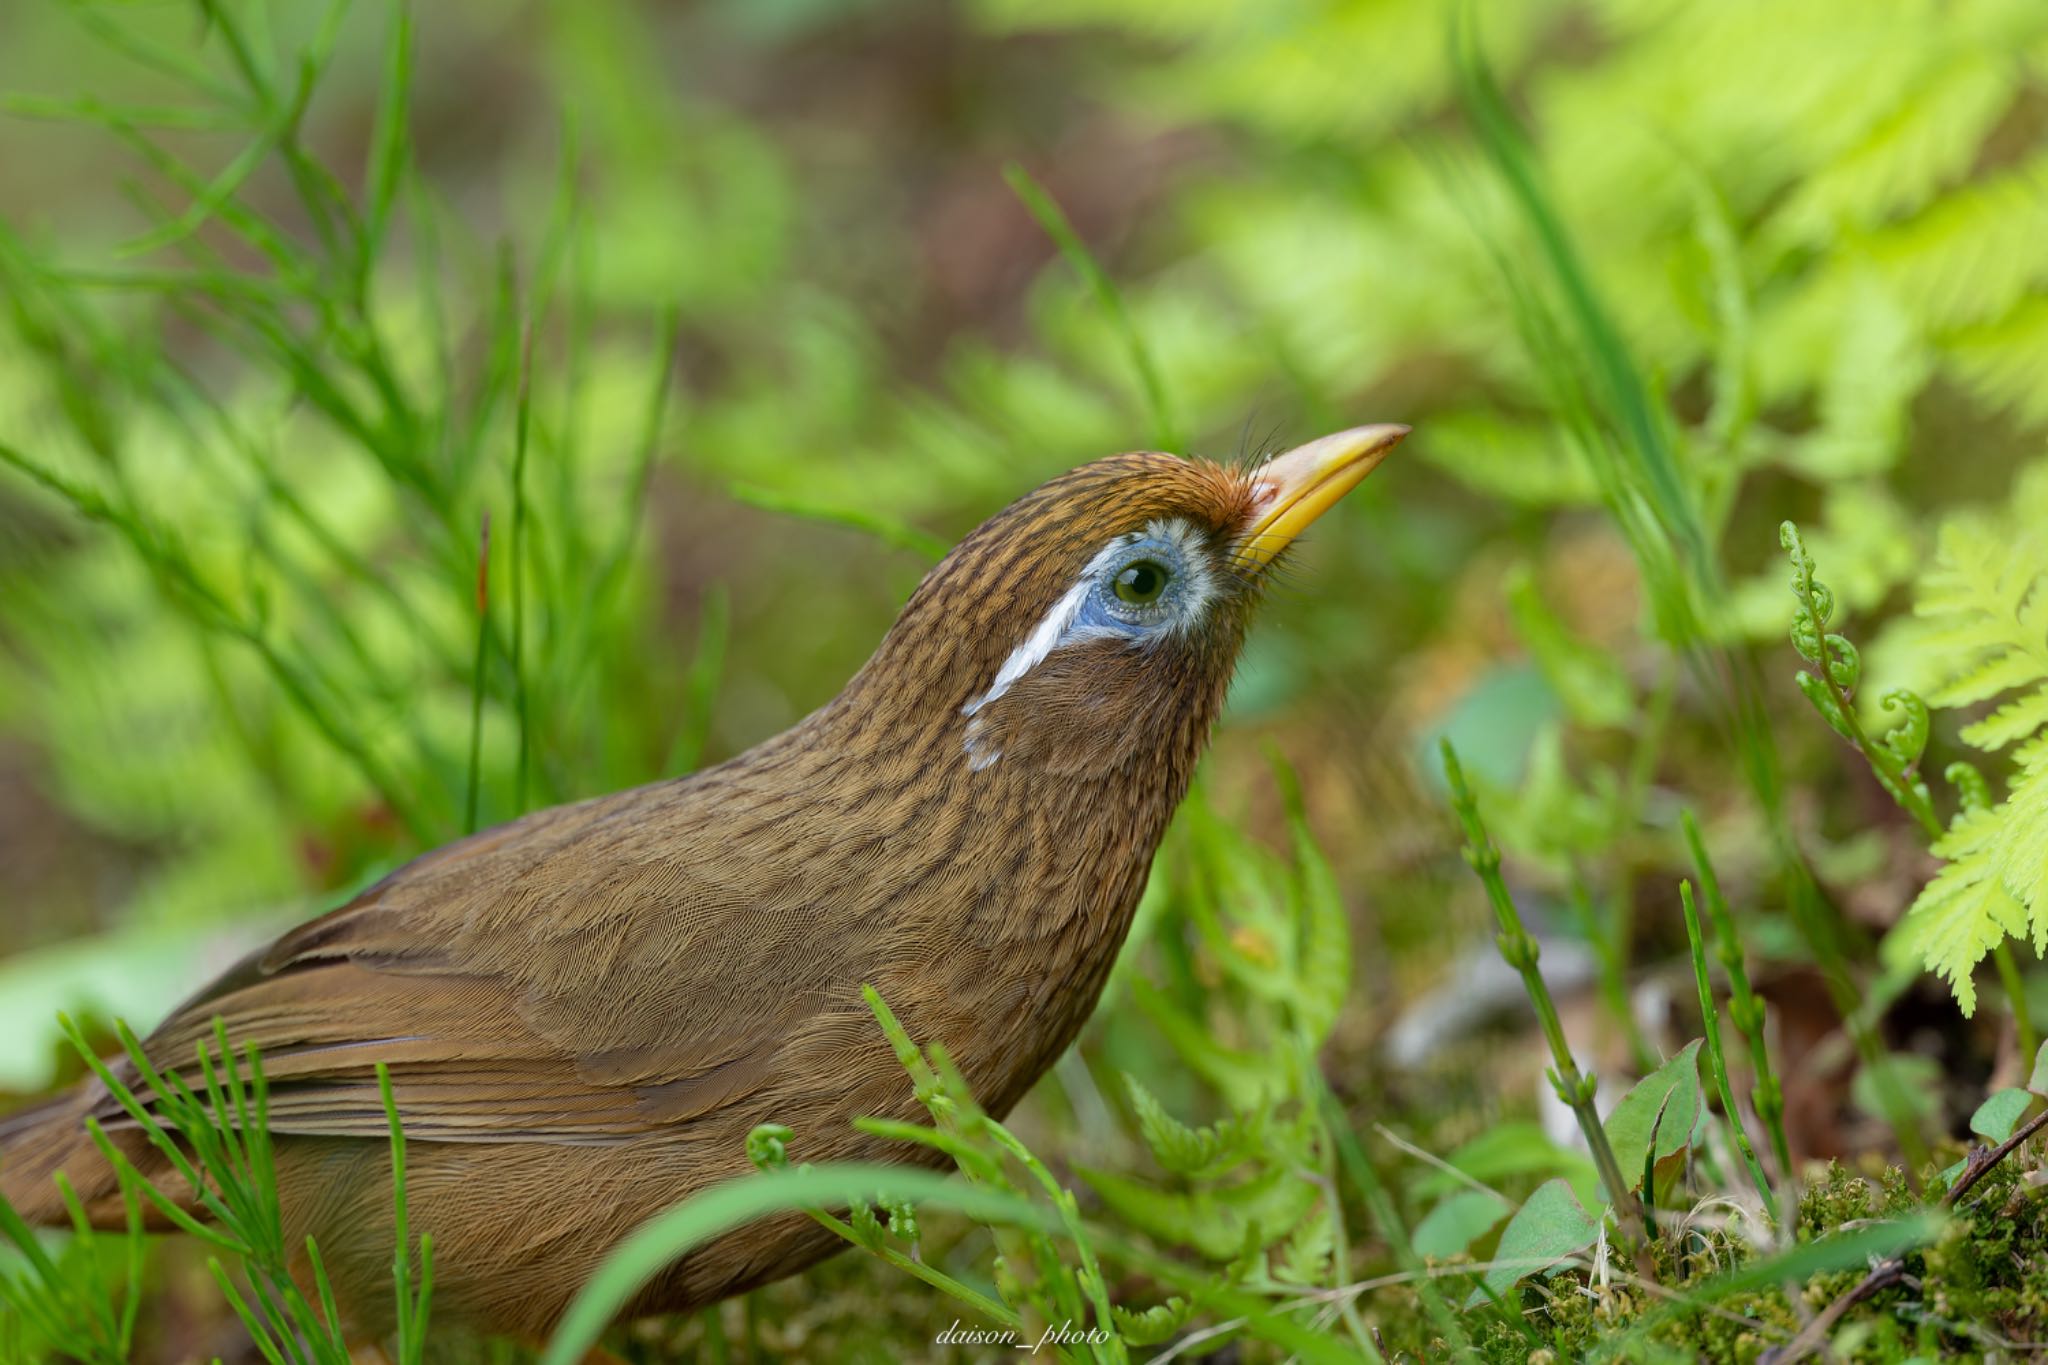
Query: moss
x,y
1982,1283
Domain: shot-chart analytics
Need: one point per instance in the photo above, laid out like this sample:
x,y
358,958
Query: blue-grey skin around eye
x,y
1092,610
1107,613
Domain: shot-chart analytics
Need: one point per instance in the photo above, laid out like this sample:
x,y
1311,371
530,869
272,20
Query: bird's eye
x,y
1141,582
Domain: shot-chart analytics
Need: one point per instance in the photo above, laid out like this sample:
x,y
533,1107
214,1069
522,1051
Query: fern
x,y
1966,911
2002,362
1986,605
1198,1153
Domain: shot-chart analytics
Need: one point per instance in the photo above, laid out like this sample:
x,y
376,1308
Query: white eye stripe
x,y
1057,627
1042,640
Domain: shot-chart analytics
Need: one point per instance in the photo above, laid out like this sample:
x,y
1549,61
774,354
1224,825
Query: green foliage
x,y
252,424
378,413
210,1126
1996,1118
1984,605
66,1303
1831,683
1050,1272
1194,1152
1749,1023
1663,1116
1521,951
1548,1227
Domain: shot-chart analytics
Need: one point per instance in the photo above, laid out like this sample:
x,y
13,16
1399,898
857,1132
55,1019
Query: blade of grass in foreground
x,y
1358,1166
1047,211
895,534
702,1217
1711,1021
697,1220
1842,1251
476,685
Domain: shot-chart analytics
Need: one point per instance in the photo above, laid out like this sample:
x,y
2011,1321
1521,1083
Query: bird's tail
x,y
50,1137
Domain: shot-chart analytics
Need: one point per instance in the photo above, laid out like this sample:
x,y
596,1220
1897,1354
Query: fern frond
x,y
2020,848
2002,362
1928,139
1986,603
1187,1150
1880,363
2013,721
1965,911
1972,254
1988,609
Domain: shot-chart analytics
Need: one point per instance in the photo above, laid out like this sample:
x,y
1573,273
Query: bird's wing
x,y
585,974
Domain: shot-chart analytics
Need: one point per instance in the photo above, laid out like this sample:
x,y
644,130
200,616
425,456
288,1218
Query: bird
x,y
585,1011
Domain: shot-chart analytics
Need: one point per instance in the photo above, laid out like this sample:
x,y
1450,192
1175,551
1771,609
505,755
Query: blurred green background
x,y
767,254
779,326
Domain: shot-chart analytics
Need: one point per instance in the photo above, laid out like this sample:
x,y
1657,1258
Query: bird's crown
x,y
1103,611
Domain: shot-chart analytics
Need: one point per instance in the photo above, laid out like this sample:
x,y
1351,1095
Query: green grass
x,y
340,516
214,1136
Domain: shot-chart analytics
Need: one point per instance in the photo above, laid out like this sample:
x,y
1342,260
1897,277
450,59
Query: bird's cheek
x,y
1088,713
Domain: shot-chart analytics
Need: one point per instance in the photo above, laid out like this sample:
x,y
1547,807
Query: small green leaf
x,y
1823,701
1972,791
1199,1153
1966,910
2038,1080
1458,1222
1845,663
1155,1324
1549,1227
1998,1116
1805,635
1305,1259
1215,1222
1515,1148
1662,1114
1908,739
767,1145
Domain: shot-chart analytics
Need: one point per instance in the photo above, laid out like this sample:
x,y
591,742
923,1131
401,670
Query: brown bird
x,y
585,1011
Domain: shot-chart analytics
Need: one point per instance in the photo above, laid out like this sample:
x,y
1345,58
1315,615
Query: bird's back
x,y
585,1011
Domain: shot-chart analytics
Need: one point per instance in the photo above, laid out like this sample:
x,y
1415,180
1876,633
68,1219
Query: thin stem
x,y
1711,1020
1328,1174
476,683
1520,950
1830,685
937,1279
1745,1008
2016,992
1358,1166
518,548
1053,219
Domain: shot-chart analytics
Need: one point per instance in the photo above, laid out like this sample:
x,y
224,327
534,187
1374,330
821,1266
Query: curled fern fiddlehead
x,y
1830,684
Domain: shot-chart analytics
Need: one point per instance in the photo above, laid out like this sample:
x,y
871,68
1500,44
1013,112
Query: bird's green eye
x,y
1141,582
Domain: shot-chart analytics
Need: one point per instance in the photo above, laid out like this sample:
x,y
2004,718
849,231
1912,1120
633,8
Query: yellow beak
x,y
1296,488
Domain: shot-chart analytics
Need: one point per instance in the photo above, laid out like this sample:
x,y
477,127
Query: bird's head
x,y
1095,622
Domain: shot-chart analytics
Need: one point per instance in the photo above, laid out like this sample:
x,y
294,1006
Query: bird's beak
x,y
1294,489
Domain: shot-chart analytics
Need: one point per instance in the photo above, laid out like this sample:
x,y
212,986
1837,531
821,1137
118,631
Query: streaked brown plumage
x,y
586,1010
